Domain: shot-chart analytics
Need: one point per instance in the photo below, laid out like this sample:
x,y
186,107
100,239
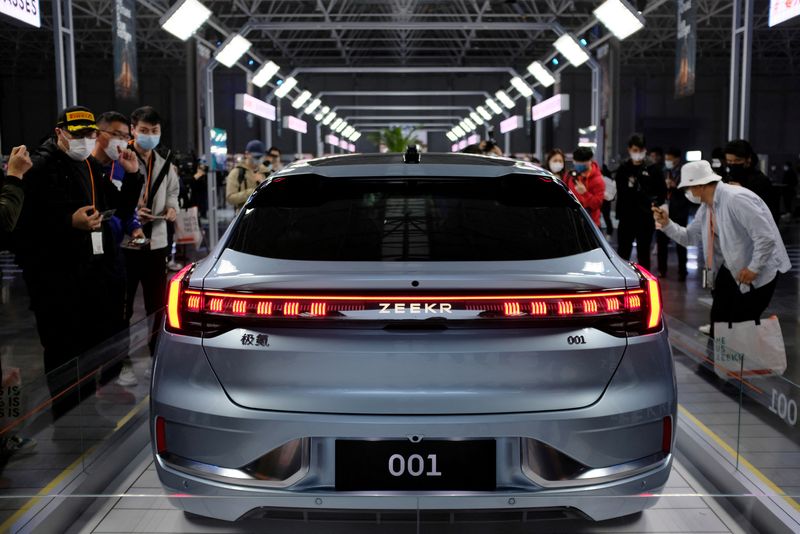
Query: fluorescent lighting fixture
x,y
551,106
473,139
476,118
512,123
328,118
253,105
324,111
504,99
459,131
293,123
694,155
332,140
341,127
284,88
470,124
302,99
493,106
523,88
462,144
620,18
541,73
336,123
569,47
312,106
347,132
232,49
454,147
184,18
464,126
355,137
265,73
453,137
485,114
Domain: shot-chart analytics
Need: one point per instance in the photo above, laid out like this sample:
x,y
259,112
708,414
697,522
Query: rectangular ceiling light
x,y
493,106
322,112
485,114
476,118
328,118
342,126
620,18
453,137
312,106
302,99
459,131
541,73
265,73
284,88
470,124
521,86
336,123
355,136
232,49
694,155
184,18
571,49
504,99
347,132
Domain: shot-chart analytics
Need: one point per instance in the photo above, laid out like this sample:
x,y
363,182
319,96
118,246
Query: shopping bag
x,y
187,227
749,348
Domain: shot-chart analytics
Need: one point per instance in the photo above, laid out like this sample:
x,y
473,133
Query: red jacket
x,y
592,199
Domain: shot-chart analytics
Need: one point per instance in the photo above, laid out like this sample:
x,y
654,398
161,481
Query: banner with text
x,y
126,79
686,48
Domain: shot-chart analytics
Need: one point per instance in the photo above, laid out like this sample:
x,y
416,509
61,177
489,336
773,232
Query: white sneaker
x,y
126,376
705,329
174,266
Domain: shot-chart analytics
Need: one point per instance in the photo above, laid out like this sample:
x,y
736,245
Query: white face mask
x,y
669,164
692,197
80,149
556,167
637,156
111,149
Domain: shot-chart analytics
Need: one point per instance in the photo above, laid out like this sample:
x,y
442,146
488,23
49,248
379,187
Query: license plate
x,y
400,465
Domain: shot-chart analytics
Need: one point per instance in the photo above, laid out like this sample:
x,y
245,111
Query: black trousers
x,y
606,211
662,247
731,305
149,268
638,229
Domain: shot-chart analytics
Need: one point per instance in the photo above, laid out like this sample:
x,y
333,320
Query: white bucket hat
x,y
697,173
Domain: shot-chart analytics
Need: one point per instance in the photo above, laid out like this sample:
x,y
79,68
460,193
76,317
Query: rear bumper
x,y
619,429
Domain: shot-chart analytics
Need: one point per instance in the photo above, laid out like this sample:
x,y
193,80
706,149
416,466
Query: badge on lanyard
x,y
97,243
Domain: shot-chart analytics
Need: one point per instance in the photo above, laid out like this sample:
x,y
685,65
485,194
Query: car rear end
x,y
382,336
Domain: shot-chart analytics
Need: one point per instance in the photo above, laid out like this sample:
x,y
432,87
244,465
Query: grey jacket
x,y
166,196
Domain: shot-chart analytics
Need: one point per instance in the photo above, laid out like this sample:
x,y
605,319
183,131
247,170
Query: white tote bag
x,y
187,227
749,349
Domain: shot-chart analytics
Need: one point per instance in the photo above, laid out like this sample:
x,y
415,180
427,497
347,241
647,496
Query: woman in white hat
x,y
743,249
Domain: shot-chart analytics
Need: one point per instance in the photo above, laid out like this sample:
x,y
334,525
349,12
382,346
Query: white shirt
x,y
745,235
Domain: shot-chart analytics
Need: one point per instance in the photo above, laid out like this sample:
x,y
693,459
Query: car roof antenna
x,y
411,155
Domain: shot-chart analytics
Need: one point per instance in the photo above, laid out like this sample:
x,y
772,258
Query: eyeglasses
x,y
118,135
86,134
273,155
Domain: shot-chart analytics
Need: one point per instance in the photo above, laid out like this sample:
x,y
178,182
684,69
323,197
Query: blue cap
x,y
255,147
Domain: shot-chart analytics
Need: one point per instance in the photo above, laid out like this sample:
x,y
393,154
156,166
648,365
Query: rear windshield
x,y
516,217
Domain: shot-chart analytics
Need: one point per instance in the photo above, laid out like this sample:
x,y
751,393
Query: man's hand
x,y
137,233
746,276
19,162
82,220
661,216
580,188
259,177
128,160
171,214
145,215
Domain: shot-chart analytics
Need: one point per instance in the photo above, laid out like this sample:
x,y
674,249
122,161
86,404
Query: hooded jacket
x,y
592,199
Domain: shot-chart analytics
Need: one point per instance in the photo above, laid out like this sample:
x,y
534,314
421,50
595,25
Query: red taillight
x,y
666,435
511,309
239,307
291,308
590,306
318,309
174,298
565,307
161,435
264,308
653,319
538,308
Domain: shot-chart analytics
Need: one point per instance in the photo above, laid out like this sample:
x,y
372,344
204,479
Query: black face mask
x,y
737,172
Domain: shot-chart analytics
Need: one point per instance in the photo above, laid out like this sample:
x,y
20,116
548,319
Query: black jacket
x,y
679,205
11,197
638,188
56,187
754,180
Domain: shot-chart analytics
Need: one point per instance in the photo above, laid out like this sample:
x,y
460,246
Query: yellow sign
x,y
80,116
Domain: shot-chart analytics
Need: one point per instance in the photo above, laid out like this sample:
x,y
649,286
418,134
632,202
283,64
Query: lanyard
x,y
91,177
149,176
710,251
112,170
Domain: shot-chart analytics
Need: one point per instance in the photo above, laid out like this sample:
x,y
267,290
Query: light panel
x,y
184,18
493,106
470,124
504,99
284,88
355,137
232,49
312,106
341,127
453,137
485,114
328,118
476,118
569,47
347,132
541,73
322,112
336,123
265,73
521,86
302,99
620,18
459,131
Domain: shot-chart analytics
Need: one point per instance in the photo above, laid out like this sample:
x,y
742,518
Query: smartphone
x,y
106,215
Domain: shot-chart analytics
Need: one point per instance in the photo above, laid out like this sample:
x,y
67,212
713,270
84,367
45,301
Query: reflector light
x,y
666,435
291,308
565,307
318,309
511,308
216,305
538,308
239,307
161,435
590,306
174,298
264,308
654,298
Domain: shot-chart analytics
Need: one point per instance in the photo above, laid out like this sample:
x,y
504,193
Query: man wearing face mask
x,y
742,169
679,207
586,183
246,175
743,248
66,247
639,187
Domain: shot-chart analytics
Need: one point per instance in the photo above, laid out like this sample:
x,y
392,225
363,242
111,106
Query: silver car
x,y
377,334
